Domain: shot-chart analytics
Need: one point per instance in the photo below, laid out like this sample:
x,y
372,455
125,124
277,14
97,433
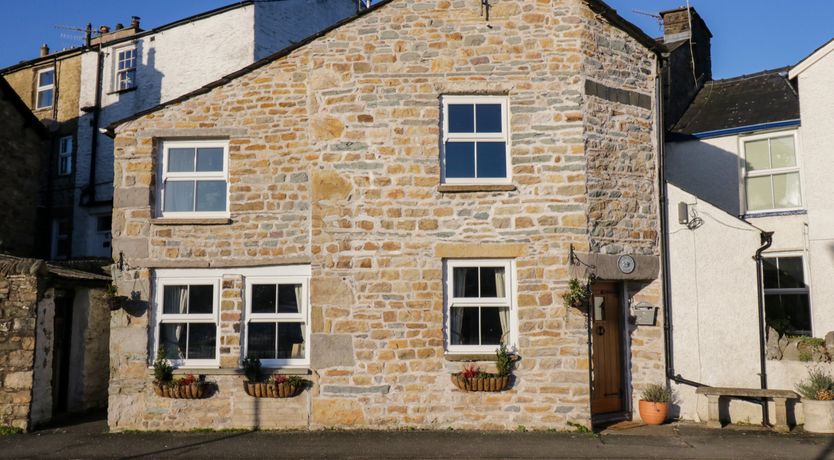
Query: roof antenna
x,y
485,6
657,17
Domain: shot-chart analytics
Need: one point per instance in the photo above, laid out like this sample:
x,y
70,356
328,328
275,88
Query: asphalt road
x,y
680,442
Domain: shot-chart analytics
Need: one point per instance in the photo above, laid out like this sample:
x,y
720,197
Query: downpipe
x,y
767,241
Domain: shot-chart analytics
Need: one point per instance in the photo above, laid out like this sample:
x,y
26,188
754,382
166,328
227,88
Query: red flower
x,y
279,379
187,380
471,372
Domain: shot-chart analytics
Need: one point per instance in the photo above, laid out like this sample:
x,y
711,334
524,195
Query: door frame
x,y
626,411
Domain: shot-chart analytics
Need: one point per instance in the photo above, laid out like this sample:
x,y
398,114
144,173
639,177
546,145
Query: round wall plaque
x,y
626,264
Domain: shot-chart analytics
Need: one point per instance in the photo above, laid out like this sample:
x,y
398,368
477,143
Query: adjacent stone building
x,y
384,203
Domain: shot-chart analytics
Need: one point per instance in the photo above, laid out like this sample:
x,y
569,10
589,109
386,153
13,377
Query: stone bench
x,y
779,397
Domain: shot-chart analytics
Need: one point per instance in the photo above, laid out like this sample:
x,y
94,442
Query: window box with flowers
x,y
165,386
274,386
473,379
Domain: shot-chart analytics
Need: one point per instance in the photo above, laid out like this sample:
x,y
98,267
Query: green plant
x,y
819,384
806,356
503,361
163,372
8,430
252,369
521,429
656,393
112,291
576,294
292,380
809,341
579,428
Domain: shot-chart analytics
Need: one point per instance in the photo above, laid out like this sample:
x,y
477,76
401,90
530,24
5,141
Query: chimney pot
x,y
134,22
119,26
104,29
44,50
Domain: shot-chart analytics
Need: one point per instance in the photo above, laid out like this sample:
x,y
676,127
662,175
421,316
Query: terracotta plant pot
x,y
194,391
481,384
819,416
653,413
272,390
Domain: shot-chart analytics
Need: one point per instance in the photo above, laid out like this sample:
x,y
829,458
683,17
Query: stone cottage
x,y
388,201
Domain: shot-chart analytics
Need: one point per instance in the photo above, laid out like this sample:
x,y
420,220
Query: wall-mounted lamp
x,y
683,213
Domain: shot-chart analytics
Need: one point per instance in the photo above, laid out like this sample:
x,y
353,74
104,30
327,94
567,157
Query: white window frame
x,y
503,136
187,278
796,291
510,301
65,149
743,140
195,176
117,81
303,316
56,237
41,89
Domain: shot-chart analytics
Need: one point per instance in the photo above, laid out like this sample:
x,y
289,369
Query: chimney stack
x,y
44,50
686,24
134,22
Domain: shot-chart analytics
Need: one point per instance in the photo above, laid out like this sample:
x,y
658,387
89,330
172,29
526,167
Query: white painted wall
x,y
174,62
41,410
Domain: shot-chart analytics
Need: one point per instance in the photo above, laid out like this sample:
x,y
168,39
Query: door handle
x,y
600,330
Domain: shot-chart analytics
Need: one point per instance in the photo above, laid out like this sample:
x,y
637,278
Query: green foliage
x,y
806,356
656,393
252,369
162,370
521,429
294,380
9,430
576,293
579,428
809,341
818,386
503,361
112,291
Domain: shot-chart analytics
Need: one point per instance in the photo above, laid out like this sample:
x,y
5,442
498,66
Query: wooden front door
x,y
607,394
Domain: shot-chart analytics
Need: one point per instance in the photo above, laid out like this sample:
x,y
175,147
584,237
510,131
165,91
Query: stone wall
x,y
18,300
334,163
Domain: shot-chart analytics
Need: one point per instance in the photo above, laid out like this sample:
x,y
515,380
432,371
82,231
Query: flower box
x,y
497,383
272,390
197,390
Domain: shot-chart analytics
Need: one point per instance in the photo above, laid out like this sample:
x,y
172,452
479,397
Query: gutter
x,y
767,241
88,197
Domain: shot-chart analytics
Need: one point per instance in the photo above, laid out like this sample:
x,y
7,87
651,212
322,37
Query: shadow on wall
x,y
706,171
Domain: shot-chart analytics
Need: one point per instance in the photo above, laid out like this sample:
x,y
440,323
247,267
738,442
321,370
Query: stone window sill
x,y
122,91
450,188
187,221
470,357
218,371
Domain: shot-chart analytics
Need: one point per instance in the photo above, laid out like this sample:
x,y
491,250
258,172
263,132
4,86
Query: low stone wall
x,y
18,299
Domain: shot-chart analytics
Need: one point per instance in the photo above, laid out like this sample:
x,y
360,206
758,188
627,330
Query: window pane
x,y
180,160
788,313
288,298
175,299
461,118
492,282
263,298
104,223
45,99
488,118
200,300
790,273
492,159
758,193
782,152
771,274
786,190
492,328
172,337
261,340
46,78
210,159
757,155
465,281
202,341
464,323
211,195
179,196
290,340
460,159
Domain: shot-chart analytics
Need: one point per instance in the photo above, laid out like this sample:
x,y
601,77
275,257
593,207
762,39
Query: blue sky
x,y
749,35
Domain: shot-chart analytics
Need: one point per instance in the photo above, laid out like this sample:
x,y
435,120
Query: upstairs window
x,y
187,320
125,68
60,239
475,140
787,304
194,179
277,328
771,173
480,305
45,94
65,156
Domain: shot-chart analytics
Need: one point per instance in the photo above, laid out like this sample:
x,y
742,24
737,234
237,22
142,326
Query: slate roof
x,y
745,101
11,265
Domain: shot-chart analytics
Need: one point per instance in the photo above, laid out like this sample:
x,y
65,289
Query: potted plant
x,y
576,295
114,300
473,379
276,386
654,404
817,393
166,386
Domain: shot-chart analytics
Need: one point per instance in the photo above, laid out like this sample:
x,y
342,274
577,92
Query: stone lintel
x,y
193,133
646,269
479,250
222,263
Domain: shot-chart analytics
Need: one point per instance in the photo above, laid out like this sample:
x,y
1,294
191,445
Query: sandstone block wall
x,y
18,300
334,162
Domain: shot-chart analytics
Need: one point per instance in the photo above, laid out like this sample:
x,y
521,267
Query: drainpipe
x,y
91,187
767,240
664,237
